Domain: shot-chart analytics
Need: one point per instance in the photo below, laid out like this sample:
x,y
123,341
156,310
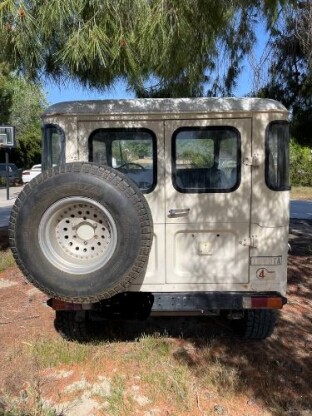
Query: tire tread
x,y
70,328
258,324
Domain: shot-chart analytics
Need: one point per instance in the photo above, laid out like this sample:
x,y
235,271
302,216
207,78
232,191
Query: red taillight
x,y
263,302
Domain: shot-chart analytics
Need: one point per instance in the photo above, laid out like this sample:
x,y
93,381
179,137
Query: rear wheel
x,y
256,324
73,325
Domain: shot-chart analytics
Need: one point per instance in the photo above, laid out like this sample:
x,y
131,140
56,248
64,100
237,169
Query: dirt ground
x,y
272,377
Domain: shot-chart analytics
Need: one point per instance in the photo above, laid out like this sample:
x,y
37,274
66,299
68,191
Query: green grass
x,y
172,383
52,353
6,260
167,378
119,403
151,346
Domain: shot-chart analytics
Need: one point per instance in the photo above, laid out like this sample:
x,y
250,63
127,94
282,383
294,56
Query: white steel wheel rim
x,y
77,235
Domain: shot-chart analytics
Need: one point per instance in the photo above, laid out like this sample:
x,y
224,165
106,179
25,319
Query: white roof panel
x,y
164,106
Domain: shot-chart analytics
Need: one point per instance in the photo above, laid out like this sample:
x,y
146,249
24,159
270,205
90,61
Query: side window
x,y
206,159
277,156
53,146
131,151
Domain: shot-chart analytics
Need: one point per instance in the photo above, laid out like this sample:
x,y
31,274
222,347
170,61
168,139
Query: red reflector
x,y
60,305
266,303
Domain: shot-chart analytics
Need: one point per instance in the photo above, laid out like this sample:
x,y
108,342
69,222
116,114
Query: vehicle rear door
x,y
208,197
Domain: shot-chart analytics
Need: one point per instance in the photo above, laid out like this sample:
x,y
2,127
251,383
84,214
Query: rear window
x,y
277,156
53,146
206,159
131,151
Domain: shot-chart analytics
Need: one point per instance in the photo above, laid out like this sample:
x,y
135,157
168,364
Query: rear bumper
x,y
188,303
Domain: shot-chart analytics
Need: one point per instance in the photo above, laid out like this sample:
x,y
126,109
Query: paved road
x,y
298,209
301,210
6,205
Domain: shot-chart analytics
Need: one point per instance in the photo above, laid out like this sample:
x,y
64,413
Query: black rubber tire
x,y
73,325
114,192
257,324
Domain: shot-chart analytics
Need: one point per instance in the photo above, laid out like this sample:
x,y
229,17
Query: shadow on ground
x,y
275,373
278,371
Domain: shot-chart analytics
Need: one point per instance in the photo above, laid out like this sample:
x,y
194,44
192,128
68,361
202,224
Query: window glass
x,y
277,156
99,151
206,159
131,151
53,152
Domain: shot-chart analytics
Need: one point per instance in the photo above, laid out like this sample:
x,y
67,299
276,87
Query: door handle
x,y
176,212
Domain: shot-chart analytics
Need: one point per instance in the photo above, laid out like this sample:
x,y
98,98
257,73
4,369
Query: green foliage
x,y
197,153
28,104
21,105
290,75
300,164
160,47
131,150
5,93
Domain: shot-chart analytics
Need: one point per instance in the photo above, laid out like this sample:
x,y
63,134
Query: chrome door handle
x,y
178,212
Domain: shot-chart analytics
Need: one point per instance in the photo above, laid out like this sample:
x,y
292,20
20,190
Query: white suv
x,y
159,206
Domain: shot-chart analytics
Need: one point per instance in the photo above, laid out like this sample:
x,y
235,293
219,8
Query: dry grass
x,y
22,391
6,260
301,192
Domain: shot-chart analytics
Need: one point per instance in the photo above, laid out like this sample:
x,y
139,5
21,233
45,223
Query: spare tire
x,y
81,232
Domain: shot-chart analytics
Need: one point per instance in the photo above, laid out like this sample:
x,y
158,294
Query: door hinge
x,y
250,242
252,160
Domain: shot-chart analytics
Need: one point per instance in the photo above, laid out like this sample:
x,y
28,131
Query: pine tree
x,y
160,47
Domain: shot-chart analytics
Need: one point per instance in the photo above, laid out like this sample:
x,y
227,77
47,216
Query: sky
x,y
71,91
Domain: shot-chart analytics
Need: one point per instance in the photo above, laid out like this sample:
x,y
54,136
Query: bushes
x,y
300,164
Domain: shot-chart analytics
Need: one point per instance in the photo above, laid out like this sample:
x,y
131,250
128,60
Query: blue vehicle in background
x,y
14,174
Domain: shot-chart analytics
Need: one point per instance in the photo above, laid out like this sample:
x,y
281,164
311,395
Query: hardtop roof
x,y
164,105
